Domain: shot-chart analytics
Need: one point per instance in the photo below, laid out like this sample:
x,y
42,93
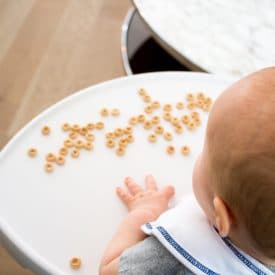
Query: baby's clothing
x,y
150,257
183,242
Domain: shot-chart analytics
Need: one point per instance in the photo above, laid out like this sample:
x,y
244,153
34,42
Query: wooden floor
x,y
48,50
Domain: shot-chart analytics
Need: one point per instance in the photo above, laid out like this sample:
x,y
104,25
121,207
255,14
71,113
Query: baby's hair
x,y
247,186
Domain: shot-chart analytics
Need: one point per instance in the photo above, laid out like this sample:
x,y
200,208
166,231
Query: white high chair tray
x,y
48,218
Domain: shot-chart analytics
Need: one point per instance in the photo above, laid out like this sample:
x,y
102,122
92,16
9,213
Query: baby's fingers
x,y
150,183
123,195
132,186
168,191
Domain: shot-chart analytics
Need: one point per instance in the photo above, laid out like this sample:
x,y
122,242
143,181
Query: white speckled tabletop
x,y
232,37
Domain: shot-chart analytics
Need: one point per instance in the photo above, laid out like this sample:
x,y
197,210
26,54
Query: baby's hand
x,y
150,199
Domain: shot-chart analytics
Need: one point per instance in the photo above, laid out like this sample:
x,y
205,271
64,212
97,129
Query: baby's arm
x,y
144,205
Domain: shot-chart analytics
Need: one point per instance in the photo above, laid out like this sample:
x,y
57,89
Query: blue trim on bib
x,y
241,257
182,251
149,226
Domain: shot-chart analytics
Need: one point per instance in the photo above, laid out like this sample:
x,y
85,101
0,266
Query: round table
x,y
225,37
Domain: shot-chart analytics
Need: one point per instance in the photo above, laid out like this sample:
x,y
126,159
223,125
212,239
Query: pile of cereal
x,y
81,137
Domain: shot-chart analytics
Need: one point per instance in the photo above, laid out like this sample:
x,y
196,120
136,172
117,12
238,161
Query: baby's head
x,y
234,178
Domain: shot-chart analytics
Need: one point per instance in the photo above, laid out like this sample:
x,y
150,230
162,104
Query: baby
x,y
234,184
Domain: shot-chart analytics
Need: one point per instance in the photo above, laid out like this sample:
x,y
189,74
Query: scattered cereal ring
x,y
175,121
185,150
208,101
118,132
46,130
148,109
68,143
178,129
48,167
206,108
104,112
152,138
141,118
195,115
63,151
168,136
147,124
130,138
191,105
133,120
167,116
155,104
146,98
75,153
159,129
90,126
191,125
32,152
83,131
79,144
73,135
200,104
200,96
50,157
76,127
75,263
189,97
110,135
142,92
170,149
99,125
155,119
167,107
185,119
60,160
66,127
123,142
180,105
128,130
90,137
115,112
110,143
88,145
197,121
120,151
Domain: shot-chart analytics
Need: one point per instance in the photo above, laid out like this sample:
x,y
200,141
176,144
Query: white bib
x,y
186,233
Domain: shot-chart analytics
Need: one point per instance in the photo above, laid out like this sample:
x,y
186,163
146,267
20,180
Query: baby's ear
x,y
222,220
